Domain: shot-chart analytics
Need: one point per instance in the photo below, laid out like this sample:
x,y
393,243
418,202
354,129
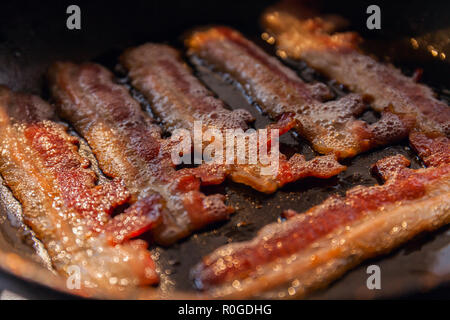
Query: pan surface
x,y
33,35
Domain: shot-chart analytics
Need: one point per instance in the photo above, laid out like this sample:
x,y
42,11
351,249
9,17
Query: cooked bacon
x,y
142,216
289,170
62,202
129,146
180,99
330,127
311,249
433,150
302,34
176,96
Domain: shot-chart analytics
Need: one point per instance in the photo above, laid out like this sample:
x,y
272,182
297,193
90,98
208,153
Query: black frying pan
x,y
34,34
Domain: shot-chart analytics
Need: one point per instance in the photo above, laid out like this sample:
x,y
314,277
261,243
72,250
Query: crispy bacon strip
x,y
62,203
180,99
129,146
309,250
302,34
330,127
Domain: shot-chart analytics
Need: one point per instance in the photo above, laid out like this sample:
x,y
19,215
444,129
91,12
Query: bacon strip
x,y
129,146
179,99
330,127
309,250
62,203
302,34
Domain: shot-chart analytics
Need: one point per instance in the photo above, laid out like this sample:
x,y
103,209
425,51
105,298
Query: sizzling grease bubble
x,y
291,291
270,40
236,284
395,230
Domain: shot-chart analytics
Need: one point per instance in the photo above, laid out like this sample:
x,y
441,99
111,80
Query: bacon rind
x,y
330,126
300,34
309,250
40,164
179,99
128,145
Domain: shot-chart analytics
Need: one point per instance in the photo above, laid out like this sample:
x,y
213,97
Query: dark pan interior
x,y
33,35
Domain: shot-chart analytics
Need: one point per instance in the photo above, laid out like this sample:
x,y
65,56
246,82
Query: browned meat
x,y
309,250
128,145
300,33
63,204
180,99
330,127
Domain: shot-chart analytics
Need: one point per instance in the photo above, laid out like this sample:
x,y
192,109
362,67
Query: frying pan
x,y
34,34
